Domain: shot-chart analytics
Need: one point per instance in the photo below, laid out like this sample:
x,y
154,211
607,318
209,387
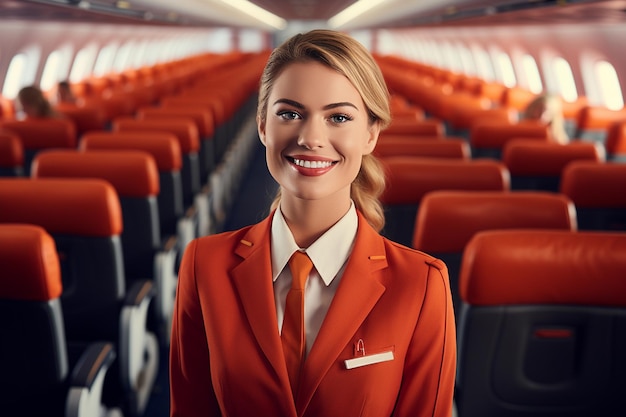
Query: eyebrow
x,y
326,107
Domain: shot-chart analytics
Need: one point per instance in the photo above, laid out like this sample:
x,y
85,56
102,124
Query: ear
x,y
261,129
372,140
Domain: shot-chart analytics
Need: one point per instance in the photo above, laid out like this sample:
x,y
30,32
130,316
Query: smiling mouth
x,y
311,164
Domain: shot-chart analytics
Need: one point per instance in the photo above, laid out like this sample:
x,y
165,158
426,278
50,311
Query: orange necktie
x,y
292,334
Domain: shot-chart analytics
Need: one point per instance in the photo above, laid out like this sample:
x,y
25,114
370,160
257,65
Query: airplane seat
x,y
204,122
85,118
7,109
37,361
447,220
84,217
410,178
39,134
488,139
187,134
517,98
597,190
165,150
210,104
538,165
571,114
594,122
134,176
449,147
543,326
409,126
494,91
11,155
616,142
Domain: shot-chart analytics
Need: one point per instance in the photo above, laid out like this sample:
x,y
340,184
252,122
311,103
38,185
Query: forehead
x,y
314,82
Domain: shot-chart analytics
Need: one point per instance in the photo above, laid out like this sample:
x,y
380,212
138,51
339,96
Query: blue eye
x,y
340,118
288,115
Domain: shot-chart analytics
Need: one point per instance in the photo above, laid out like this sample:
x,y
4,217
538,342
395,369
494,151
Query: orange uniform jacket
x,y
226,356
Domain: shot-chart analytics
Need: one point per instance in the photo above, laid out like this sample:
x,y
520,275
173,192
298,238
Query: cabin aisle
x,y
251,205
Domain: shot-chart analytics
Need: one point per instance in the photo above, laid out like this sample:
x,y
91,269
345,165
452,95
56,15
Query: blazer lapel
x,y
252,278
358,292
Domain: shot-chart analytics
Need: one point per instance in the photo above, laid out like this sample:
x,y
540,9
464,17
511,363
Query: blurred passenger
x,y
65,94
549,110
32,103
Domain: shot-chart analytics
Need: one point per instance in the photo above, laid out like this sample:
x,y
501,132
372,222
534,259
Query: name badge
x,y
369,360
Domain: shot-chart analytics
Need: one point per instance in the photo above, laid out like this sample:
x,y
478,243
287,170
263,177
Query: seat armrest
x,y
165,281
138,348
84,397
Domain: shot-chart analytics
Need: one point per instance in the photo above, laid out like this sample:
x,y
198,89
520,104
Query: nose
x,y
312,134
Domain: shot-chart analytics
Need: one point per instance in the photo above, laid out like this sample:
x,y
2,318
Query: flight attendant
x,y
376,334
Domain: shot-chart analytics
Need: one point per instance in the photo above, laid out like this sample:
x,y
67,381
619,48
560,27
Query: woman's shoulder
x,y
222,240
403,255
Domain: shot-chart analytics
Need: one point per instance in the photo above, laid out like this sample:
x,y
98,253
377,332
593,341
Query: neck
x,y
310,219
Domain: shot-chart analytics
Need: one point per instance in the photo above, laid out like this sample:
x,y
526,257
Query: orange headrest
x,y
29,263
409,178
596,117
11,150
616,138
434,148
544,267
163,147
447,220
202,117
205,101
411,126
496,134
186,131
86,207
595,184
132,173
43,133
529,157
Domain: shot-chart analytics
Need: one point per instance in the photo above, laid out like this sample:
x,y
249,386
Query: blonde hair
x,y
549,109
348,57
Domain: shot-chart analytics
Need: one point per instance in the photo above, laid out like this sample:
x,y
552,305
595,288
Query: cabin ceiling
x,y
392,14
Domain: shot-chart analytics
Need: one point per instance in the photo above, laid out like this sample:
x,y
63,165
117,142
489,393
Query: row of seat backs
x,y
532,164
594,186
35,355
135,178
453,97
85,218
543,326
101,301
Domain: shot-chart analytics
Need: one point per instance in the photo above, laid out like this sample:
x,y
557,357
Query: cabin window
x,y
83,63
138,58
467,60
13,79
484,67
451,58
608,83
51,74
531,73
22,71
122,57
504,69
564,79
104,62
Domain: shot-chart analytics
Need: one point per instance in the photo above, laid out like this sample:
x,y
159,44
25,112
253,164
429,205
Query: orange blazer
x,y
226,356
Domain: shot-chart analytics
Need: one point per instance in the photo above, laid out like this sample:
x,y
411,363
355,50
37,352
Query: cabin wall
x,y
580,44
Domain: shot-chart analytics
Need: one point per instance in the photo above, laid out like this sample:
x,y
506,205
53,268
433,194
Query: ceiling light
x,y
257,13
353,11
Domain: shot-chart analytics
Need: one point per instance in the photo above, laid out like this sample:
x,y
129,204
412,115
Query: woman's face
x,y
315,133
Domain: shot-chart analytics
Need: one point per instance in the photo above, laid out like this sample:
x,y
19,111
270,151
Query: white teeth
x,y
312,164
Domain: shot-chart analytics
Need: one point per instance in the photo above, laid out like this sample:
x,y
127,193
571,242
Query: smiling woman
x,y
368,327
